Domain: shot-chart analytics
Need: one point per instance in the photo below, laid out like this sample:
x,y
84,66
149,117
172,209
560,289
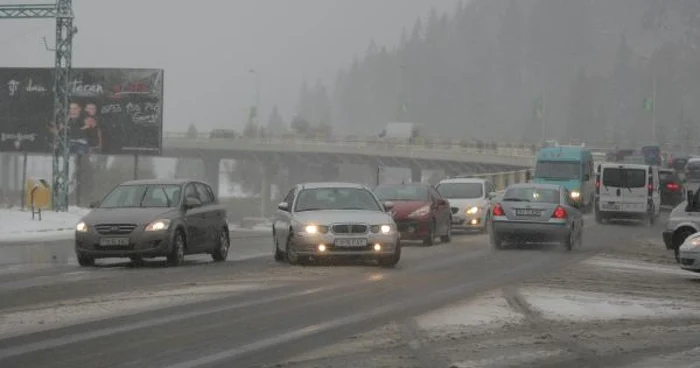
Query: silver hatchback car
x,y
322,220
536,213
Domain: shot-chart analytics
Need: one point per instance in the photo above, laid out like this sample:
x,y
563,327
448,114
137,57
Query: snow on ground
x,y
490,310
71,312
17,225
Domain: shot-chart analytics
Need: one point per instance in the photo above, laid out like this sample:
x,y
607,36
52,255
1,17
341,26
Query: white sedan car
x,y
689,253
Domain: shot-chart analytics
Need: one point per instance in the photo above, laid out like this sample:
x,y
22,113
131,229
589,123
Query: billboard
x,y
112,111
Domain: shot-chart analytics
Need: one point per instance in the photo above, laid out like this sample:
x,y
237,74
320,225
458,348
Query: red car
x,y
420,212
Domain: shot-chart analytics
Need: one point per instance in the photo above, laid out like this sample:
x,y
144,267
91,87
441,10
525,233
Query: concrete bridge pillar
x,y
416,174
267,171
212,169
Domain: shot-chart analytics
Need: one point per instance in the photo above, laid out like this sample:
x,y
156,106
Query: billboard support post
x,y
62,11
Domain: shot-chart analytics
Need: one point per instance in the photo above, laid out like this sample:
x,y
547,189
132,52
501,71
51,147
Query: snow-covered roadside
x,y
17,225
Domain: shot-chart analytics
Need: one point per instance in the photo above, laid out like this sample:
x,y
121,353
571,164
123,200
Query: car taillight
x,y
673,186
559,213
498,210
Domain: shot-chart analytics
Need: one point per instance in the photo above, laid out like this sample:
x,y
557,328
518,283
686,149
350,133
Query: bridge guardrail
x,y
473,147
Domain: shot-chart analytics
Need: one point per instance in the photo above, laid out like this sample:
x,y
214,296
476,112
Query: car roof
x,y
159,182
693,159
624,165
463,180
405,184
321,185
535,185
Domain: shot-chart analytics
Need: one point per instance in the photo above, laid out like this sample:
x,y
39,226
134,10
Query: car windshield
x,y
667,176
624,178
151,195
320,199
531,194
558,170
461,190
402,193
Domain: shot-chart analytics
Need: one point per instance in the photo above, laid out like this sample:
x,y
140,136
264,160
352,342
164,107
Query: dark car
x,y
420,212
672,188
692,170
154,218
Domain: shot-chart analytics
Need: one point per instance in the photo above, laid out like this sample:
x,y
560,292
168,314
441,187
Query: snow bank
x,y
17,225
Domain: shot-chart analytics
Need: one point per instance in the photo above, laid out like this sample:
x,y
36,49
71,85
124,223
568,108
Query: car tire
x,y
221,252
292,258
598,216
447,238
279,255
84,260
392,260
485,227
495,240
429,240
568,243
176,256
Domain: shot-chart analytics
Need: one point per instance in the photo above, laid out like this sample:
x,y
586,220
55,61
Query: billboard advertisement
x,y
112,111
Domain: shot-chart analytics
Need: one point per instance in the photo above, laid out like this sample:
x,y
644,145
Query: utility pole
x,y
653,108
62,11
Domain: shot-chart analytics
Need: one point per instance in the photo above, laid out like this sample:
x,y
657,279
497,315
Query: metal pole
x,y
653,107
24,180
136,166
544,116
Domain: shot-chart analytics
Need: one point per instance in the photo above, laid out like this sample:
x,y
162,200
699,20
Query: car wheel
x,y
429,240
291,255
176,257
392,260
221,252
447,237
485,227
279,255
85,261
568,243
598,216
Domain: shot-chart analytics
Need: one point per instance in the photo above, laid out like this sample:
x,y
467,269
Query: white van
x,y
627,191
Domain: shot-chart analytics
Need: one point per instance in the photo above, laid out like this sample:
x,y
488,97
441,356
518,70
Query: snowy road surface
x,y
617,301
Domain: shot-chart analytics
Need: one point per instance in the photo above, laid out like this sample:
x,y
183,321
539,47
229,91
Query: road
x,y
249,311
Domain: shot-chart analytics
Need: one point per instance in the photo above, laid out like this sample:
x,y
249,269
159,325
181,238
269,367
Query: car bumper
x,y
414,229
308,245
689,261
468,222
668,238
530,231
141,244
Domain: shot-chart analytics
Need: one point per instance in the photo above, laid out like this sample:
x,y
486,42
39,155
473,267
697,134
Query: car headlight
x,y
575,194
314,229
473,210
384,229
420,212
691,244
81,227
158,225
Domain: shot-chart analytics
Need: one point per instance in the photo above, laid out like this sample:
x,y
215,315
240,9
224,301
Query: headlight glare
x,y
158,225
575,194
315,229
386,229
473,210
81,227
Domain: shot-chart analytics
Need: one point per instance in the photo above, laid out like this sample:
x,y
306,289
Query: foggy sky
x,y
208,49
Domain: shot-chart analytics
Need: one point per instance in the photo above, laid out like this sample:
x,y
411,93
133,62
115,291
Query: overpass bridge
x,y
298,155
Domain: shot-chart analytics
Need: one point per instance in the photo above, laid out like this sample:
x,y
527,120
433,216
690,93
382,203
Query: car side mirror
x,y
388,206
283,206
94,204
191,203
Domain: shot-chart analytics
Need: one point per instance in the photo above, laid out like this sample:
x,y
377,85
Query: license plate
x,y
114,242
350,243
611,206
528,212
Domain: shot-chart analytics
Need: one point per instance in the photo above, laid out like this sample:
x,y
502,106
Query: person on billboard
x,y
92,128
77,137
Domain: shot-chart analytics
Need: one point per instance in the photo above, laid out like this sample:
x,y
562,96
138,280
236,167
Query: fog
x,y
208,47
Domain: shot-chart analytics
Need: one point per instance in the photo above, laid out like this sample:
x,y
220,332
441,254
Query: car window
x,y
532,194
290,197
461,190
320,199
204,194
191,192
558,170
624,178
402,193
151,195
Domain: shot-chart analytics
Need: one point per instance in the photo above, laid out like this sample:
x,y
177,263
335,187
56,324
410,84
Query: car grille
x,y
349,229
455,210
115,228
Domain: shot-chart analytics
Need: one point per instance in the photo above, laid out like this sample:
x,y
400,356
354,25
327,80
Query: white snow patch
x,y
641,267
586,306
506,359
17,225
489,309
685,359
70,312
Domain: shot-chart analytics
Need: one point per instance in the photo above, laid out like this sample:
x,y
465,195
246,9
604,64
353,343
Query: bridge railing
x,y
460,145
503,179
